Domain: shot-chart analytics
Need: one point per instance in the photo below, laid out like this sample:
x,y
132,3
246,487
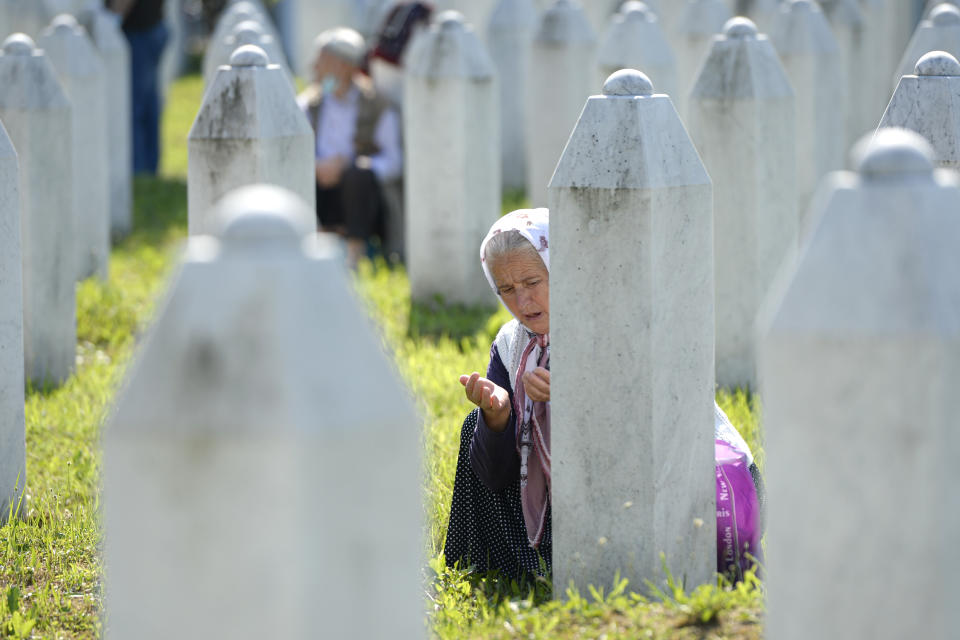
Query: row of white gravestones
x,y
858,377
632,235
38,117
82,74
234,14
939,31
249,31
263,446
634,39
564,44
742,120
13,453
929,104
699,23
248,130
452,151
811,56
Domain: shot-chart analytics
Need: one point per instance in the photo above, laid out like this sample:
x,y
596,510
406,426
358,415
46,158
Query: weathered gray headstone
x,y
510,41
811,57
260,444
249,130
701,21
929,103
246,32
634,40
561,72
37,116
859,370
13,453
83,76
452,161
940,31
104,29
632,292
742,121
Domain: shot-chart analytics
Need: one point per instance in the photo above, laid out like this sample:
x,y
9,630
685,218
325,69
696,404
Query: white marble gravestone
x,y
632,292
23,16
940,31
249,130
634,40
763,13
13,453
37,116
452,161
246,32
243,11
510,42
742,121
932,4
859,369
104,29
811,57
561,73
881,57
929,103
81,71
701,21
847,23
261,444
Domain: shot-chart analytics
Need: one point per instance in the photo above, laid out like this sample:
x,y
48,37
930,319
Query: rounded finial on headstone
x,y
450,20
938,63
263,214
945,15
64,23
19,44
628,82
740,28
893,152
249,55
634,9
248,28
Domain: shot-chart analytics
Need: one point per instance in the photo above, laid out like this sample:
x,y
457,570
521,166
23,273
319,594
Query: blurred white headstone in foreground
x,y
249,130
743,123
859,372
37,115
561,77
632,274
452,161
13,460
264,447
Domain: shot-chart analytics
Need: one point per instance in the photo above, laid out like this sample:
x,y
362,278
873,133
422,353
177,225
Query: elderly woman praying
x,y
500,512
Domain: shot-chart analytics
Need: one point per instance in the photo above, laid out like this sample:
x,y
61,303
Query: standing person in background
x,y
147,34
357,141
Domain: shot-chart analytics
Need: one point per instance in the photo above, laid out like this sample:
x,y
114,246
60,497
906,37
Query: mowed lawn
x,y
51,572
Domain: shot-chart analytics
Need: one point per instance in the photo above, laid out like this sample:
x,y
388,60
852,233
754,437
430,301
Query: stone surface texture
x,y
247,32
811,57
249,130
632,292
13,453
82,74
940,31
929,103
36,113
452,161
23,16
701,21
104,30
246,477
847,23
742,121
634,39
510,42
561,78
859,367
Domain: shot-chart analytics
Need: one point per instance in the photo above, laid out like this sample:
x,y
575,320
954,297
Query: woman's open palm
x,y
492,399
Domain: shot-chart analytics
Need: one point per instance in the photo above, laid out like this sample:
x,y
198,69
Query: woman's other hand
x,y
492,399
537,384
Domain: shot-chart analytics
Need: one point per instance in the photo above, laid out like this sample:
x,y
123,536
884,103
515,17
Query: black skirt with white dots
x,y
486,530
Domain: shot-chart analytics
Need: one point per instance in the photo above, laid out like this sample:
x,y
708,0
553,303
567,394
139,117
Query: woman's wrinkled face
x,y
523,283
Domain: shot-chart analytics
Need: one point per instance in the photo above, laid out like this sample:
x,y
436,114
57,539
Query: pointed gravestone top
x,y
262,215
19,44
633,38
740,28
565,22
944,15
628,83
449,49
895,153
938,63
806,29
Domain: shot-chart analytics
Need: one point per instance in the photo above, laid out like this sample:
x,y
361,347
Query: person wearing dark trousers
x,y
357,141
147,34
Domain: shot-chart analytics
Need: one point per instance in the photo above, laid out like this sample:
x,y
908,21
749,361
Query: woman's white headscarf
x,y
532,418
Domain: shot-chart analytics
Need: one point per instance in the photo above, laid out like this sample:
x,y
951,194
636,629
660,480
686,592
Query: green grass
x,y
50,558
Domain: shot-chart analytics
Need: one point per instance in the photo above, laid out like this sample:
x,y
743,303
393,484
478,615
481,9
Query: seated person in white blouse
x,y
357,140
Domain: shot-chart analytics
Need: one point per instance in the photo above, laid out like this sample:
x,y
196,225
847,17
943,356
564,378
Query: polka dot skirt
x,y
486,529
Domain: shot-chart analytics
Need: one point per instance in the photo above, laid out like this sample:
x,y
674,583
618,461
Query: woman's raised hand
x,y
492,399
537,384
